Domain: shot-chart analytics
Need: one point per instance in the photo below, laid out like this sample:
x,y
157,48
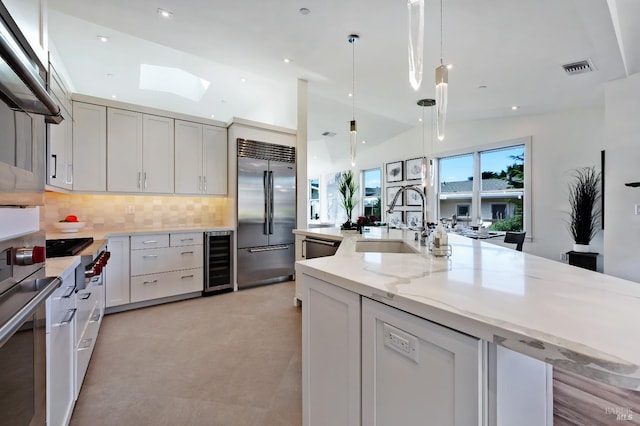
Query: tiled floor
x,y
232,359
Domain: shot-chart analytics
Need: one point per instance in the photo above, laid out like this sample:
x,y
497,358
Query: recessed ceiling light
x,y
286,60
515,107
103,39
244,80
449,66
113,96
363,141
110,75
350,94
167,14
419,120
213,116
304,11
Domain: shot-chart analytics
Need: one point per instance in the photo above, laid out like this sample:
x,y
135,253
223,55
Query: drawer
x,y
59,304
83,351
186,239
139,242
86,303
167,259
156,286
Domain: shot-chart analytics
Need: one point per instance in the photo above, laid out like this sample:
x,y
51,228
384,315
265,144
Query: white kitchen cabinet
x,y
330,355
32,19
89,147
165,265
414,369
117,272
140,152
61,311
201,159
60,136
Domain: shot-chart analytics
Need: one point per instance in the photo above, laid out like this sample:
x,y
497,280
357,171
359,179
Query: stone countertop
x,y
106,233
572,318
56,267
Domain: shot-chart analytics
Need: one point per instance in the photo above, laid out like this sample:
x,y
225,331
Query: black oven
x,y
23,292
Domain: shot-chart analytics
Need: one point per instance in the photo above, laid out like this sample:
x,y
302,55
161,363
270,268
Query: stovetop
x,y
67,246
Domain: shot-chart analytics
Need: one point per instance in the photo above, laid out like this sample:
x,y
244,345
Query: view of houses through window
x,y
371,184
484,188
314,199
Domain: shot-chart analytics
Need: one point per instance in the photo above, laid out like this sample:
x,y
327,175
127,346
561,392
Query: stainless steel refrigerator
x,y
266,213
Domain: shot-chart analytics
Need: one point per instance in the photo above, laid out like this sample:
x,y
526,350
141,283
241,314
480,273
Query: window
x,y
486,187
314,199
371,190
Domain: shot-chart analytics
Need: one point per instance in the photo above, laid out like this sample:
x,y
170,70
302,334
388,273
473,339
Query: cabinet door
x,y
89,147
413,369
189,158
116,279
330,355
124,140
31,17
157,154
60,155
214,141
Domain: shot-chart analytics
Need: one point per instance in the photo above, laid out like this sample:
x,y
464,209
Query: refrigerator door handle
x,y
270,202
269,248
265,185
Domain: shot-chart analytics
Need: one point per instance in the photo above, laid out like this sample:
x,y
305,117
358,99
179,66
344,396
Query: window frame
x,y
362,190
477,178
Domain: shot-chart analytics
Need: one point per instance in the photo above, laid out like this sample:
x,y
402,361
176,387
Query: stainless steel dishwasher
x,y
315,247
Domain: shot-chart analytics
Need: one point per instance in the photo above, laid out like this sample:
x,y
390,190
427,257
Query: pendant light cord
x,y
441,49
353,78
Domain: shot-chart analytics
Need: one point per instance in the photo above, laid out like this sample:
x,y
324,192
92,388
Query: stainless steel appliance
x,y
23,292
315,247
266,213
23,102
218,261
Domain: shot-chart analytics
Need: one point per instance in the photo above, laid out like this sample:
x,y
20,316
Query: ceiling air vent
x,y
579,67
328,134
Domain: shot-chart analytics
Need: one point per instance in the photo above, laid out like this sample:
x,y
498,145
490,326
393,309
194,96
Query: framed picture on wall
x,y
413,169
391,192
395,219
394,172
414,219
413,198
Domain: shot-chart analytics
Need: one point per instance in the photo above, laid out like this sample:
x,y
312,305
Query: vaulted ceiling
x,y
503,53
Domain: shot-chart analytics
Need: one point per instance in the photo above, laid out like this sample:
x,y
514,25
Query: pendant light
x,y
416,41
353,131
426,169
442,81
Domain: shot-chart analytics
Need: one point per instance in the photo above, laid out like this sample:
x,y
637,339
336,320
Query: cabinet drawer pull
x,y
186,239
84,296
186,252
85,344
184,277
150,242
149,255
95,317
68,292
150,282
68,317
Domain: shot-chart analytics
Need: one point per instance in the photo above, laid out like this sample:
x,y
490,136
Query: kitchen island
x,y
559,315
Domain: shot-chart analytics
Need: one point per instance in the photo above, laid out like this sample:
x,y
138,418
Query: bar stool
x,y
516,238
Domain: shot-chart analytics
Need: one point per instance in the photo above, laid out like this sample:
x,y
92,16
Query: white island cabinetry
x,y
117,272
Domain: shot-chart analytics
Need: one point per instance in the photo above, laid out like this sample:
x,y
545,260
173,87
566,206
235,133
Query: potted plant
x,y
584,194
348,196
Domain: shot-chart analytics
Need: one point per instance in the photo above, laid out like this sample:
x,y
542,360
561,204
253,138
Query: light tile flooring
x,y
231,359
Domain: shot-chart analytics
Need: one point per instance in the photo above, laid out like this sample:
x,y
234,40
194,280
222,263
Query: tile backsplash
x,y
115,212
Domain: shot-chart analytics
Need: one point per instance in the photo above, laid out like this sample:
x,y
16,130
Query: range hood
x,y
22,77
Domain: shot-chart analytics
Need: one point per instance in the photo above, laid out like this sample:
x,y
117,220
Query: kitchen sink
x,y
384,246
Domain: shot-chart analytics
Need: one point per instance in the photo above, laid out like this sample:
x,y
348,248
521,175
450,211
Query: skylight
x,y
172,80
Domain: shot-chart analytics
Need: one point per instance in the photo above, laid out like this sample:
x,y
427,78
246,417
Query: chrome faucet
x,y
417,188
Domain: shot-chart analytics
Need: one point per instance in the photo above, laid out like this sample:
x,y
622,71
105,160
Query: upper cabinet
x,y
140,152
31,17
59,144
89,147
200,159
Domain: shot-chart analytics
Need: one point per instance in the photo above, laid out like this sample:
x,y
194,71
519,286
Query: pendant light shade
x,y
353,130
416,41
425,170
442,81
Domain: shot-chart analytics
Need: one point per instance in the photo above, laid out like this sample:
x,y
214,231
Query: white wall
x,y
561,142
622,164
